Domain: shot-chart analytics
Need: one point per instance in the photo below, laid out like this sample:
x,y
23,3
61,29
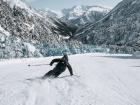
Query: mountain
x,y
32,33
119,29
68,20
60,27
82,14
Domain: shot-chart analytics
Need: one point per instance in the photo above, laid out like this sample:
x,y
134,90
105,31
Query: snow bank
x,y
137,54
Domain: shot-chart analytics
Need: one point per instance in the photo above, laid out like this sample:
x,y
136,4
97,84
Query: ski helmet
x,y
65,57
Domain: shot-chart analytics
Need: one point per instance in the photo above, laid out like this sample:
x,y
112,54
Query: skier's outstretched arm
x,y
70,69
55,60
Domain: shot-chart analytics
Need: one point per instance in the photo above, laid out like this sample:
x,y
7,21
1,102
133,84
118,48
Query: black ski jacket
x,y
61,66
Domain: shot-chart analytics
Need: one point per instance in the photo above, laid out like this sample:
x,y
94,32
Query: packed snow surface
x,y
102,79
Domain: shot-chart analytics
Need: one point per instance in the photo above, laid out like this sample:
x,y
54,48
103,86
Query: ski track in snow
x,y
104,80
51,92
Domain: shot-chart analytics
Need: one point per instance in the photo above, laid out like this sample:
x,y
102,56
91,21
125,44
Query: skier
x,y
62,64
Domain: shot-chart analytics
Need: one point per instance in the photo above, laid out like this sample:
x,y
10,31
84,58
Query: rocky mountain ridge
x,y
118,30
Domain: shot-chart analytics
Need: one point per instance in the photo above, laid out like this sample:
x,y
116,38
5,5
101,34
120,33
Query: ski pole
x,y
38,65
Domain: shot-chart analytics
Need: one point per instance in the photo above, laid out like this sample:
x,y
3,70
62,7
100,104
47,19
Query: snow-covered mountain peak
x,y
53,13
79,10
83,14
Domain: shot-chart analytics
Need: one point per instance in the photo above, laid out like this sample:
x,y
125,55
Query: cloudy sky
x,y
60,4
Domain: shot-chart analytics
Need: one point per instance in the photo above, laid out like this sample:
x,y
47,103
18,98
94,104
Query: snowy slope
x,y
104,80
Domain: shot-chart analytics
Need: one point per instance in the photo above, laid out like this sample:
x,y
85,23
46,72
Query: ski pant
x,y
52,73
